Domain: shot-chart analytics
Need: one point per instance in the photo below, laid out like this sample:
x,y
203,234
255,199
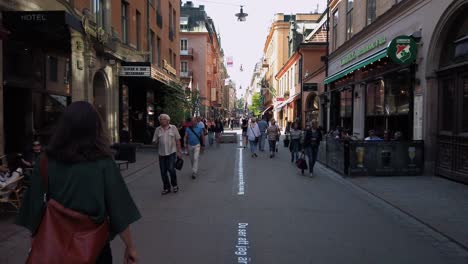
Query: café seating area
x,y
372,158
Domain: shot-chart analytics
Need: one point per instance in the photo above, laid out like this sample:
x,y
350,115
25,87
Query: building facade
x,y
398,66
76,52
202,63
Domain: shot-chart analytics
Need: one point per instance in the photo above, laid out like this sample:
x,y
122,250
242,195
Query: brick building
x,y
76,52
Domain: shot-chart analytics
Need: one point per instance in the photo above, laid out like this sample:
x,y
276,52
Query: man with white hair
x,y
167,137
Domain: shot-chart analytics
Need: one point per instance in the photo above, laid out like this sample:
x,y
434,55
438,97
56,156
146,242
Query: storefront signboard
x,y
135,71
310,87
402,50
363,50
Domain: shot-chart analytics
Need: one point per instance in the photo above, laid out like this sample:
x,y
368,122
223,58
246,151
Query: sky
x,y
244,41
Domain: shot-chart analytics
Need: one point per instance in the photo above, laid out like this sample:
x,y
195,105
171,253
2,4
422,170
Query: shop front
x,y
374,91
36,75
144,92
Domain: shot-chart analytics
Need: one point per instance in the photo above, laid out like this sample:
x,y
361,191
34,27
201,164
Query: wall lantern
x,y
241,16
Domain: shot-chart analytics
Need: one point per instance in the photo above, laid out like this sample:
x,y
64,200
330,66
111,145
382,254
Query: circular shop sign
x,y
402,50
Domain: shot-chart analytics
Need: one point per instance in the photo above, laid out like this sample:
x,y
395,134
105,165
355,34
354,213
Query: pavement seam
x,y
419,226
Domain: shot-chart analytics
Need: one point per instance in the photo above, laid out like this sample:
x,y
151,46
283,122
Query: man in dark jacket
x,y
312,138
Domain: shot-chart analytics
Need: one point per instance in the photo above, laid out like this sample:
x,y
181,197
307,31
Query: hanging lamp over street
x,y
241,16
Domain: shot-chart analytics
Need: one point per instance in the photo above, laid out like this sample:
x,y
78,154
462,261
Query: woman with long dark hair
x,y
82,176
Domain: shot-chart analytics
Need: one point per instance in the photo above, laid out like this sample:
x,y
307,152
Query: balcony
x,y
187,53
186,75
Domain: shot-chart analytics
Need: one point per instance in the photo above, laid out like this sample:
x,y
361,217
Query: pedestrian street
x,y
260,210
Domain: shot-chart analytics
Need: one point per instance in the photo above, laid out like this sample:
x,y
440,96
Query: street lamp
x,y
241,16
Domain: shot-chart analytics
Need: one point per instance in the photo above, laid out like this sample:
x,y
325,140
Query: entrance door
x,y
452,156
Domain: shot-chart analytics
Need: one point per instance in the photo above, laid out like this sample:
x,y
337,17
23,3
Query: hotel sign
x,y
363,50
135,71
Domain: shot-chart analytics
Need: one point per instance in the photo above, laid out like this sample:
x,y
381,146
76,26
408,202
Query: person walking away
x,y
253,134
211,131
312,138
244,127
30,157
183,146
167,138
262,125
273,133
219,129
82,176
194,142
295,133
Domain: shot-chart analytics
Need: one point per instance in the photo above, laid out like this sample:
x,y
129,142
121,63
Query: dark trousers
x,y
166,165
294,149
106,255
272,144
311,153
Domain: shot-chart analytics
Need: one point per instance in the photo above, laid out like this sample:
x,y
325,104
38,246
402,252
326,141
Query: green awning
x,y
364,62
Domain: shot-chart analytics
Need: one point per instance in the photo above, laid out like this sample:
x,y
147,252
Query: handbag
x,y
179,163
301,162
65,235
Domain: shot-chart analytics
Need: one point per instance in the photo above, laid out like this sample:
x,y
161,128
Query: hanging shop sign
x,y
363,50
402,50
135,71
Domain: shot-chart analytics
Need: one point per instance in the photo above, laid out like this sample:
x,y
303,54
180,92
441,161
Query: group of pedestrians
x,y
171,145
301,142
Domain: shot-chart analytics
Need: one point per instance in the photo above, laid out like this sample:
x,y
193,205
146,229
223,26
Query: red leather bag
x,y
64,235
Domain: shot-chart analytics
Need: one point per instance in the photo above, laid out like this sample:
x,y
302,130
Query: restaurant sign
x,y
135,71
402,50
363,50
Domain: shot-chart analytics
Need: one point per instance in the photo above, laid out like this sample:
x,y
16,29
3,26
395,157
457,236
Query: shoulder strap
x,y
198,136
43,170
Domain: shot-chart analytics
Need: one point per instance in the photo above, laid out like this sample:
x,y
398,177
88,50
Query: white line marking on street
x,y
240,171
240,141
242,244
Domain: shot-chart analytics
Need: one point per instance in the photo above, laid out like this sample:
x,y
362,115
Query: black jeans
x,y
106,255
166,165
272,144
311,152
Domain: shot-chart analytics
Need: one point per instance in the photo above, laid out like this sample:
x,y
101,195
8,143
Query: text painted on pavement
x,y
242,244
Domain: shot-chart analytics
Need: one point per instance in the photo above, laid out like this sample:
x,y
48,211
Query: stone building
x,y
400,65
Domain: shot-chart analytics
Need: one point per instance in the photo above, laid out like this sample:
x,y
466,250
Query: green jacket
x,y
94,188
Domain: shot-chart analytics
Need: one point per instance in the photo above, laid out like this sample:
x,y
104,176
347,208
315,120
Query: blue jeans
x,y
253,146
261,139
166,165
311,153
294,149
211,138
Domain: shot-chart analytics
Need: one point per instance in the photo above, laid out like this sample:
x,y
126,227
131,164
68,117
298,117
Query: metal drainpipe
x,y
301,62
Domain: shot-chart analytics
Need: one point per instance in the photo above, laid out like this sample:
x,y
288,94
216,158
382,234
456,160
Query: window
x,y
346,108
183,66
170,17
53,68
183,45
349,19
152,53
371,11
124,22
464,125
138,29
98,10
183,23
174,20
174,59
158,51
335,29
375,98
447,112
